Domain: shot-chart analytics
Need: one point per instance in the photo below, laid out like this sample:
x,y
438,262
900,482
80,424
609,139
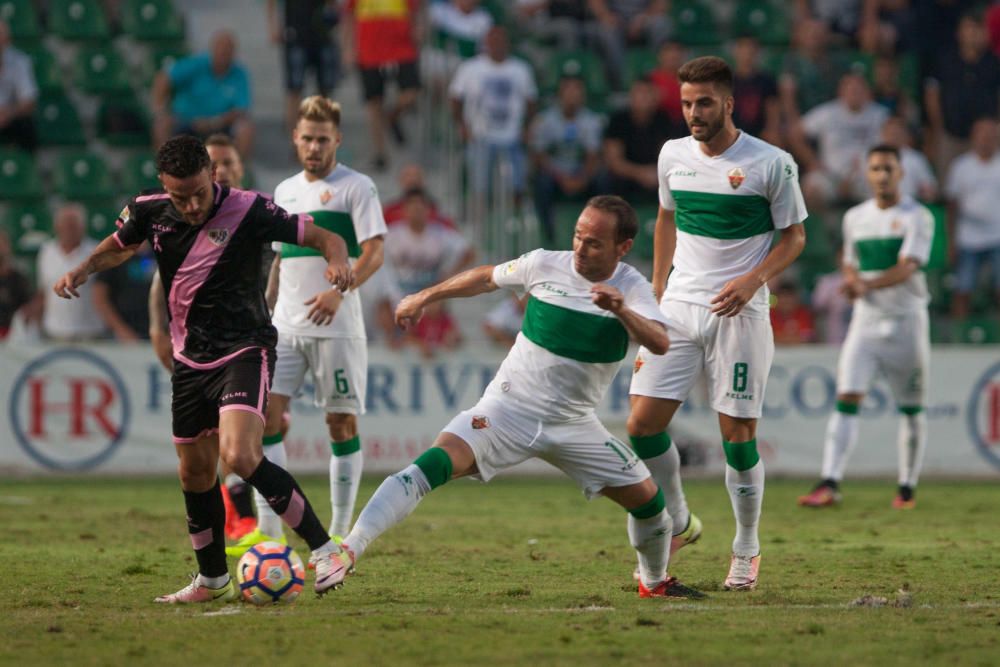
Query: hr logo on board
x,y
69,409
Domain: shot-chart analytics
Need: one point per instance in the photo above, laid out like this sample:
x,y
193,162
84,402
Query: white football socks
x,y
651,540
841,436
666,472
746,492
393,501
268,522
911,445
345,479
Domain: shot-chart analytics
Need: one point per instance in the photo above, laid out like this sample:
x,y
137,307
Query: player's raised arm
x,y
647,332
468,283
107,255
334,250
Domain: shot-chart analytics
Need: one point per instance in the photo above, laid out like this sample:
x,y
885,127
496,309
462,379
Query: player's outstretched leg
x,y
206,517
911,444
346,463
745,482
841,437
395,499
269,528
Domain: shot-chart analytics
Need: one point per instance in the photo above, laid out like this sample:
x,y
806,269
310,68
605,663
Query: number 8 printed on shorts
x,y
740,373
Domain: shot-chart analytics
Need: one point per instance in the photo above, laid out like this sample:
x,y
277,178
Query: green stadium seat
x,y
78,20
764,19
47,73
58,121
582,63
638,63
18,176
83,176
124,122
139,173
152,21
22,19
29,226
101,69
978,330
101,216
694,22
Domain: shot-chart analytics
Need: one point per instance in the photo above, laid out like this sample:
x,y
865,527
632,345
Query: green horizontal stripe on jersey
x,y
339,223
722,216
569,333
878,254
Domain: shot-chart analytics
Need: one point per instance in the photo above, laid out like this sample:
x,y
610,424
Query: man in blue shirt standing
x,y
204,94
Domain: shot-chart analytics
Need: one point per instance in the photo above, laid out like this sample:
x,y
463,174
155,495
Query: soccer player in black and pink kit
x,y
207,239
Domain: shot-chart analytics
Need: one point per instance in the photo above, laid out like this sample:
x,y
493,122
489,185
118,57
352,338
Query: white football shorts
x,y
897,347
502,436
734,353
338,368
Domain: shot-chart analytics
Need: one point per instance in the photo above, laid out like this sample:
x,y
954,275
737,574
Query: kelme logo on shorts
x,y
480,421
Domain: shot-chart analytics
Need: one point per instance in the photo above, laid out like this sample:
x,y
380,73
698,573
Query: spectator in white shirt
x,y
918,181
422,251
503,322
973,192
493,97
18,95
67,320
843,129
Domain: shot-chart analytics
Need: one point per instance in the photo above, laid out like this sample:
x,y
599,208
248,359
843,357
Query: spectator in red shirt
x,y
381,38
411,177
436,330
993,27
669,59
791,320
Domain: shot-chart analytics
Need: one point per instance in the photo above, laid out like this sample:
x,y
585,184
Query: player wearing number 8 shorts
x,y
886,241
723,194
321,333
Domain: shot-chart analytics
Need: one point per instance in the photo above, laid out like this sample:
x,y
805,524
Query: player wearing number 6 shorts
x,y
321,333
886,241
723,194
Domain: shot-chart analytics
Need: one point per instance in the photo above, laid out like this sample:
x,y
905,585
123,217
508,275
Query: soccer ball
x,y
270,572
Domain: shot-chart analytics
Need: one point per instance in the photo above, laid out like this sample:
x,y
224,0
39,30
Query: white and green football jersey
x,y
345,203
568,350
875,239
726,209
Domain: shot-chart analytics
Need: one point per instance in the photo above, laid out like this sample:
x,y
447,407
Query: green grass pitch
x,y
522,571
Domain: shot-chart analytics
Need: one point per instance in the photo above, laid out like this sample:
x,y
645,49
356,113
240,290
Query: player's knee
x,y
241,460
342,427
640,424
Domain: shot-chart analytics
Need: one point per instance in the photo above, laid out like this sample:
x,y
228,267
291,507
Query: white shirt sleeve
x,y
516,274
787,205
850,259
461,84
815,121
953,188
366,212
641,300
919,236
528,86
662,167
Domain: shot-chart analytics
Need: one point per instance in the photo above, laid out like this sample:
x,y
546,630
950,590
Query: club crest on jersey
x,y
637,366
325,197
736,177
218,236
480,422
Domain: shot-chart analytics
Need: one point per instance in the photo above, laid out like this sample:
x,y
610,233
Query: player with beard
x,y
206,238
723,194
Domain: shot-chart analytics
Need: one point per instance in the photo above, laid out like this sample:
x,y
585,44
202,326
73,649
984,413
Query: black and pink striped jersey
x,y
212,272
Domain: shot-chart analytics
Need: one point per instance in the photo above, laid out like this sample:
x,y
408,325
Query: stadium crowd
x,y
573,98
